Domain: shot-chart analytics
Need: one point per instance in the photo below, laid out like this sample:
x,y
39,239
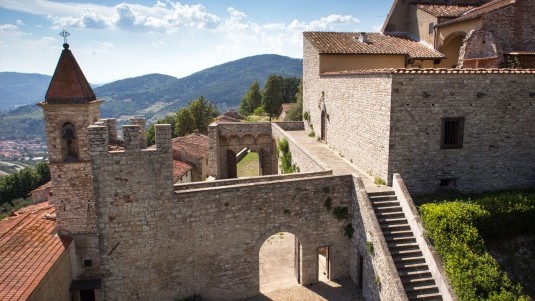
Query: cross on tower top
x,y
65,34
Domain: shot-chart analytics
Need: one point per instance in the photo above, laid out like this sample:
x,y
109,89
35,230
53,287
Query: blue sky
x,y
114,39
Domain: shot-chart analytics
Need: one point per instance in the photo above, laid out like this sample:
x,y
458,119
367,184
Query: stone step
x,y
406,253
400,239
421,289
392,234
390,214
414,274
381,193
385,204
389,227
408,259
412,267
418,281
424,297
382,198
388,209
393,221
403,246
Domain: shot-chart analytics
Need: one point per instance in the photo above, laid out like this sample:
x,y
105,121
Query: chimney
x,y
363,37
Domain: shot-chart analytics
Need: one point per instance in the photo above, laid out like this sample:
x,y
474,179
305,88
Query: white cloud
x,y
330,22
20,23
8,27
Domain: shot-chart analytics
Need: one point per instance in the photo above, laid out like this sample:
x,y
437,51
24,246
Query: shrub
x,y
379,181
474,273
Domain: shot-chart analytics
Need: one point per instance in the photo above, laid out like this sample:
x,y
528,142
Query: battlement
x,y
102,133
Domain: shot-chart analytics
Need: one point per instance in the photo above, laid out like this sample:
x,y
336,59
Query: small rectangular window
x,y
452,132
87,263
431,27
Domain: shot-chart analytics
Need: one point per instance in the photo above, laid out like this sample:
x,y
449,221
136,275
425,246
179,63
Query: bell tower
x,y
70,106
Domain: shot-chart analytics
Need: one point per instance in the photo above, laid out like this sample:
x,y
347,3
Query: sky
x,y
113,40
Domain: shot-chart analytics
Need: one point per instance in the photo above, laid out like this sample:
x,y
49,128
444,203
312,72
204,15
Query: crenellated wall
x,y
164,245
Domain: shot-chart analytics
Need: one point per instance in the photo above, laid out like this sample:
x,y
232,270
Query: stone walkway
x,y
339,165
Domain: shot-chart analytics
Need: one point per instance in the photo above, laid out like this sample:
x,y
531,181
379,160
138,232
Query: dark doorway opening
x,y
323,129
361,271
87,295
232,171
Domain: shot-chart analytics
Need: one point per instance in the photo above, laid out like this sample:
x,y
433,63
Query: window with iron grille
x,y
452,132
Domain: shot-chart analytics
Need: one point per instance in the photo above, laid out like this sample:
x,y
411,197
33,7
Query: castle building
x,y
121,229
442,129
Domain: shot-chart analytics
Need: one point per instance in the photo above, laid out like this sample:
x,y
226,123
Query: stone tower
x,y
70,106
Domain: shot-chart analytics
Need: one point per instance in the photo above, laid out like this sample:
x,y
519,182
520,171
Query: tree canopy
x,y
272,96
197,115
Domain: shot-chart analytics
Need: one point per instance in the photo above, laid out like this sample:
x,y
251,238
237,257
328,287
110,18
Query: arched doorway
x,y
249,163
323,124
231,165
280,262
451,48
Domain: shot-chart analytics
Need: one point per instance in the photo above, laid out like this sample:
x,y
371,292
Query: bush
x,y
474,273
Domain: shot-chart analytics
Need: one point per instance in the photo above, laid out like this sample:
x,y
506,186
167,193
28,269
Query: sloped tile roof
x,y
378,43
480,11
225,118
232,114
44,186
443,10
180,169
195,145
68,84
432,71
29,247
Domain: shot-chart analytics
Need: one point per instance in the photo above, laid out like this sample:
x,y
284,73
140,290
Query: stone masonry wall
x,y
55,285
131,187
304,160
499,136
380,277
357,110
160,245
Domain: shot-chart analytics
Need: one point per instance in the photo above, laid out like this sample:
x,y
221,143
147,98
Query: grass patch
x,y
248,166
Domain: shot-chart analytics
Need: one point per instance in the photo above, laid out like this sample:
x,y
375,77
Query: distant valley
x,y
151,96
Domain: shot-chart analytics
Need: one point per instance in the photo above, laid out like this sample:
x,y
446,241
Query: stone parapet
x,y
431,256
381,279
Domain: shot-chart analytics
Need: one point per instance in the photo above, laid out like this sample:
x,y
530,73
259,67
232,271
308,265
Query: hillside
x,y
156,95
151,96
18,89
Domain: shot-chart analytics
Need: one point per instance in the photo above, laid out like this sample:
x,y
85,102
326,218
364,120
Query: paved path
x,y
339,165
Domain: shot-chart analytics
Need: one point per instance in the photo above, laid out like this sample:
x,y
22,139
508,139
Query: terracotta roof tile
x,y
444,10
377,43
480,11
44,186
68,84
224,118
180,169
432,71
232,114
195,145
29,247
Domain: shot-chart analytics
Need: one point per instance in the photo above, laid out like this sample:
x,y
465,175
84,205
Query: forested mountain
x,y
156,95
18,89
151,96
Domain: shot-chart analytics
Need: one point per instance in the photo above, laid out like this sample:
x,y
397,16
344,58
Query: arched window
x,y
69,142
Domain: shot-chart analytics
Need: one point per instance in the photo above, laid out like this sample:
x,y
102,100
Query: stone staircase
x,y
410,263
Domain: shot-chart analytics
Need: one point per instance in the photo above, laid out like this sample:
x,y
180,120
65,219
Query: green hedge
x,y
474,273
511,213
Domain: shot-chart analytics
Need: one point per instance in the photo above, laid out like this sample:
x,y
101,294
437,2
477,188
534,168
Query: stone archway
x,y
234,137
451,48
